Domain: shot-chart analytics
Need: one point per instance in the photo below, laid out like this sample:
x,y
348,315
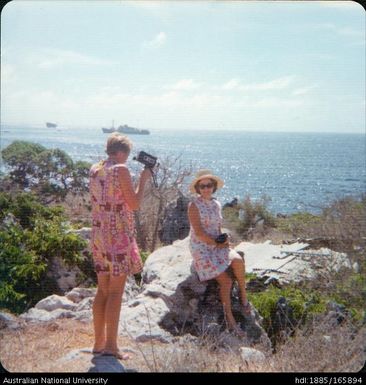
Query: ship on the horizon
x,y
109,130
125,129
51,125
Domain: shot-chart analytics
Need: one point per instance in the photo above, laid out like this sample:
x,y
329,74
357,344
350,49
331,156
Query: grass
x,y
322,346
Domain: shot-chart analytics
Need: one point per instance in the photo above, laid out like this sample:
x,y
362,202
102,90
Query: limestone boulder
x,y
54,302
178,303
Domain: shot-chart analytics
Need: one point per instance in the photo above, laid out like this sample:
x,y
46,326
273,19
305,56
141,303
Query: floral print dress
x,y
209,261
113,242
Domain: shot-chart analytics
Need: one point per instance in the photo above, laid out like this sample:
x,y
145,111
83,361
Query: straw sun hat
x,y
204,174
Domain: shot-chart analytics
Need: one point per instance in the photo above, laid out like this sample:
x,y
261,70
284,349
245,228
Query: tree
x,y
51,173
170,177
21,158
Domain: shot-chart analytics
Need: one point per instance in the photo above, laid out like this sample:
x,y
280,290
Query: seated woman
x,y
213,259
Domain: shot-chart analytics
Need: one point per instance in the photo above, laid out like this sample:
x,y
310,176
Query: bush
x,y
244,216
31,235
304,303
51,173
149,219
343,223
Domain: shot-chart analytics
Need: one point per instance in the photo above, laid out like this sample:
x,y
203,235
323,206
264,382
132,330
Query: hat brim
x,y
219,181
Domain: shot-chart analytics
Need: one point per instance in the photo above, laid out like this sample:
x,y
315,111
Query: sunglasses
x,y
208,185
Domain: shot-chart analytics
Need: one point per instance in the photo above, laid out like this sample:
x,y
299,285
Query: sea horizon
x,y
178,130
298,171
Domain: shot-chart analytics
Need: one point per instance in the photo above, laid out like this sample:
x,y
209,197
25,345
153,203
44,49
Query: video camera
x,y
222,238
149,162
146,159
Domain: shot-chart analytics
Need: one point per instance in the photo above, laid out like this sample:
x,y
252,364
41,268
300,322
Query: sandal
x,y
237,331
247,309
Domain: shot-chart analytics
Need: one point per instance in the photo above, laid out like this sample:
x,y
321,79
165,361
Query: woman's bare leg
x,y
238,268
225,283
99,305
112,312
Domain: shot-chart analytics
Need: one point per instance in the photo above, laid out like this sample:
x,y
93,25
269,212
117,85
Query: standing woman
x,y
212,259
113,243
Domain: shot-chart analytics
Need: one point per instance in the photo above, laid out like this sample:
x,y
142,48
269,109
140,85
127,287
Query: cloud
x,y
231,84
303,90
51,58
158,41
275,84
274,103
183,85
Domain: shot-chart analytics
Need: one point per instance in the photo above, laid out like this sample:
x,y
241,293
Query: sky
x,y
185,65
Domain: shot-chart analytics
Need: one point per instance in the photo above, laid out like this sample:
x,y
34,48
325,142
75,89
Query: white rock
x,y
83,315
269,259
40,315
84,232
79,293
141,322
252,356
327,339
8,320
85,304
54,302
356,267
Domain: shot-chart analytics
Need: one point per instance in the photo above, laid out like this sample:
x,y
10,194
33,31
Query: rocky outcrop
x,y
8,320
171,302
75,304
291,262
174,302
175,224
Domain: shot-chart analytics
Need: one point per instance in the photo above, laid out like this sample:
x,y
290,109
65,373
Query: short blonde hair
x,y
117,142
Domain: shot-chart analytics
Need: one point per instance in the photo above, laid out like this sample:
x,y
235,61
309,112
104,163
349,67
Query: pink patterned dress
x,y
209,261
113,240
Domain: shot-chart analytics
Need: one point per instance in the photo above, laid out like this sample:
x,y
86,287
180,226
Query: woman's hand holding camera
x,y
146,174
222,241
223,245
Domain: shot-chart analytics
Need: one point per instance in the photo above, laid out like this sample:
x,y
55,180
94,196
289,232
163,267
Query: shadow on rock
x,y
106,364
200,312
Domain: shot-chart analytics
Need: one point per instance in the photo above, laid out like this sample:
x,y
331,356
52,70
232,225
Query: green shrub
x,y
297,223
342,222
51,173
144,254
304,303
246,214
30,236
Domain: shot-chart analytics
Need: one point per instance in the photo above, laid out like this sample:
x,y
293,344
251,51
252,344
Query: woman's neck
x,y
208,198
114,159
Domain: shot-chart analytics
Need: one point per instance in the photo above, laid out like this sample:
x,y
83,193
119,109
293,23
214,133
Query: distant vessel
x,y
109,130
125,129
51,125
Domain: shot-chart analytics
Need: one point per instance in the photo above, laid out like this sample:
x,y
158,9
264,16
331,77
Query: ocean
x,y
297,171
